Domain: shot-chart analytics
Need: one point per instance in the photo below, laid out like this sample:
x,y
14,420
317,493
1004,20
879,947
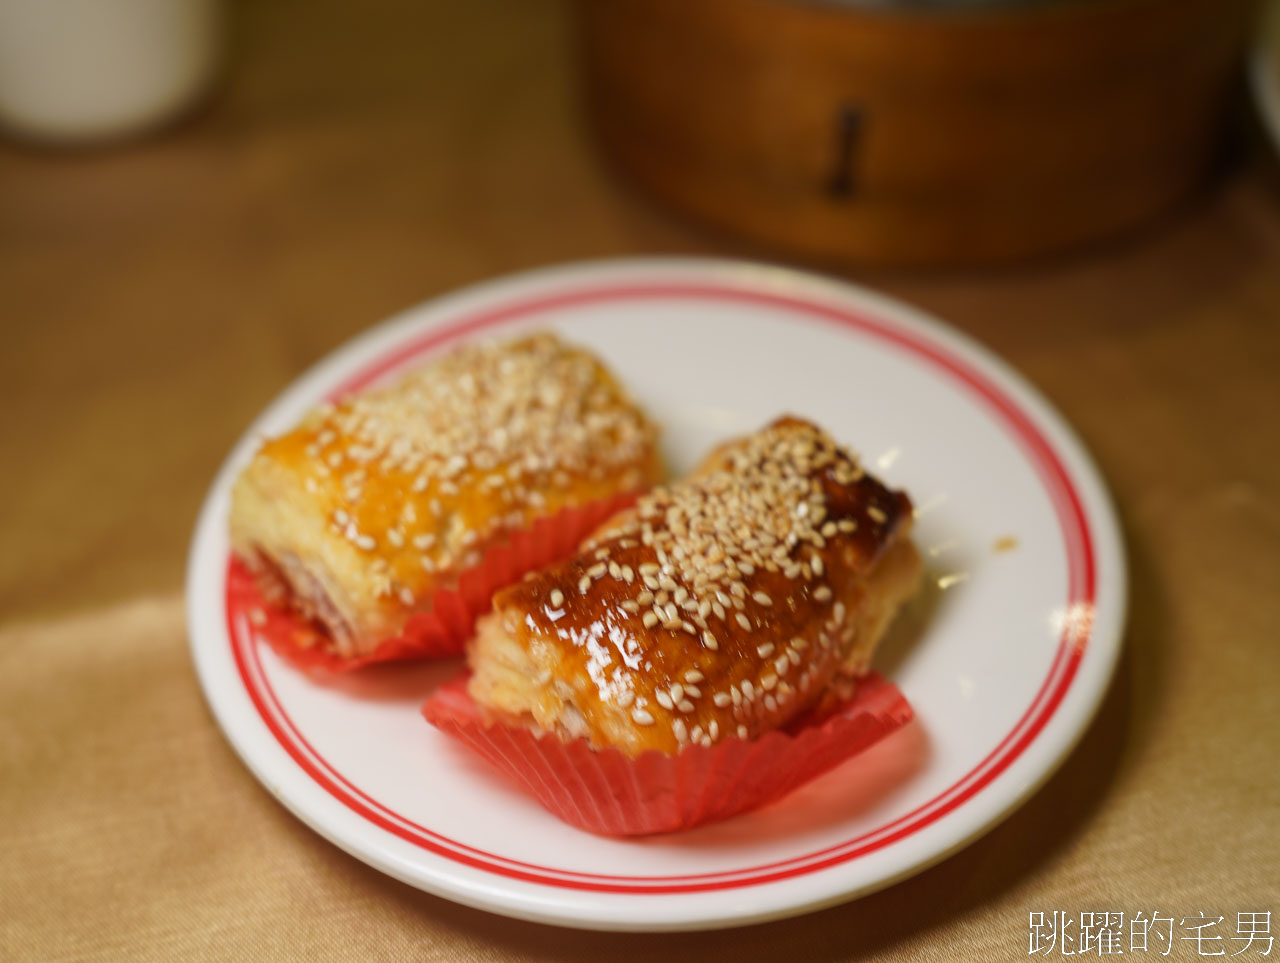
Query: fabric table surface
x,y
157,295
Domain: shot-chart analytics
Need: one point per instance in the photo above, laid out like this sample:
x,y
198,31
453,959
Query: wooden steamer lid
x,y
878,134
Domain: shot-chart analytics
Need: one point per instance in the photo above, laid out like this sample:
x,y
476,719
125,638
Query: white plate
x,y
1004,667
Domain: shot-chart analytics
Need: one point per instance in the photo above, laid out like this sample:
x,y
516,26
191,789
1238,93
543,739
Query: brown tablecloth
x,y
360,158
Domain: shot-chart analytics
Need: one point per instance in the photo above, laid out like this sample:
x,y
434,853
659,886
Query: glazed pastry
x,y
357,518
725,605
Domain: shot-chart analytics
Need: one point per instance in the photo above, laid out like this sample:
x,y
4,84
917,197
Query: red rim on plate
x,y
1078,544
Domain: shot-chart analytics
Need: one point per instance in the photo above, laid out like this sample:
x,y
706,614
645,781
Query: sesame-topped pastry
x,y
362,516
723,606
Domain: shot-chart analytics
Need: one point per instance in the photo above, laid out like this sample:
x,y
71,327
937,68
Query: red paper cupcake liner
x,y
446,627
604,791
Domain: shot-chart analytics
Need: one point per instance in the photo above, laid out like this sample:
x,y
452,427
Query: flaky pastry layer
x,y
358,516
725,605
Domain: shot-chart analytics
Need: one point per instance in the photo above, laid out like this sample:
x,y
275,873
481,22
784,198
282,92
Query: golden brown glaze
x,y
724,605
365,510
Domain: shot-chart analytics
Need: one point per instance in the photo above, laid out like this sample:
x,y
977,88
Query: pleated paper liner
x,y
445,626
604,791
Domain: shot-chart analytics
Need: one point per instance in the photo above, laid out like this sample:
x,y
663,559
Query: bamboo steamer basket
x,y
881,134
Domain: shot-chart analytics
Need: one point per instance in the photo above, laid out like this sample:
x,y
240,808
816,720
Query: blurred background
x,y
199,199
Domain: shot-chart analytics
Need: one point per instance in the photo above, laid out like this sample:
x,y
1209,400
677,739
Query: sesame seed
x,y
713,730
742,732
366,542
748,692
557,598
625,698
685,705
664,699
876,514
641,717
700,542
679,730
771,703
406,595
